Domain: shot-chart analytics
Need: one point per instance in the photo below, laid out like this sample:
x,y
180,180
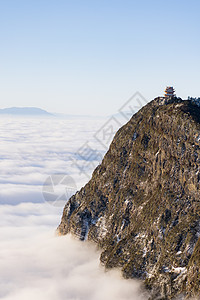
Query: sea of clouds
x,y
34,262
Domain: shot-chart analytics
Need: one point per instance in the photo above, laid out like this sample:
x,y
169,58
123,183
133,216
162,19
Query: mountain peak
x,y
142,204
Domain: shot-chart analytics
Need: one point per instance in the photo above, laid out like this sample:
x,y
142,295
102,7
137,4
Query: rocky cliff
x,y
142,205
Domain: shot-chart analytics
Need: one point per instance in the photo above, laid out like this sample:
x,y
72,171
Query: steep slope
x,y
142,204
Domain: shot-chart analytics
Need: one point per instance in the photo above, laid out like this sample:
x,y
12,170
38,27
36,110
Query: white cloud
x,y
33,148
34,263
37,264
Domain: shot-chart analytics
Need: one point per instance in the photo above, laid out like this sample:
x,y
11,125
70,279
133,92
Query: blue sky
x,y
89,57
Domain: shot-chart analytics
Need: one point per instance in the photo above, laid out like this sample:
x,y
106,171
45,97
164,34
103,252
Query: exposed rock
x,y
142,204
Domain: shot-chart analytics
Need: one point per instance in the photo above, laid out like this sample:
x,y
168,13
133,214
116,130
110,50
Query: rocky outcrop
x,y
142,205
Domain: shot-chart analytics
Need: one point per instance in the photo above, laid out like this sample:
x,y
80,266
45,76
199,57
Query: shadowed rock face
x,y
142,205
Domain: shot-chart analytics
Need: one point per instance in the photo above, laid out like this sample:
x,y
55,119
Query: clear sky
x,y
89,56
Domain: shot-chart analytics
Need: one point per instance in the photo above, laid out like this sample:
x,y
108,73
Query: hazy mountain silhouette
x,y
24,111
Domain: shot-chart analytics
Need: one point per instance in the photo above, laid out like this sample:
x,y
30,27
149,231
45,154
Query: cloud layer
x,y
34,262
37,264
33,148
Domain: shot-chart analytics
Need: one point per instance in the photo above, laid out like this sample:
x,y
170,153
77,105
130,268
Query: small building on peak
x,y
168,98
169,92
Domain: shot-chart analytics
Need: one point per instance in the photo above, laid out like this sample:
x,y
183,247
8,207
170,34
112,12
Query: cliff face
x,y
142,205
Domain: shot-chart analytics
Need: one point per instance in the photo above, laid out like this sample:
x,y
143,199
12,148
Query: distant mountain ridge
x,y
24,111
